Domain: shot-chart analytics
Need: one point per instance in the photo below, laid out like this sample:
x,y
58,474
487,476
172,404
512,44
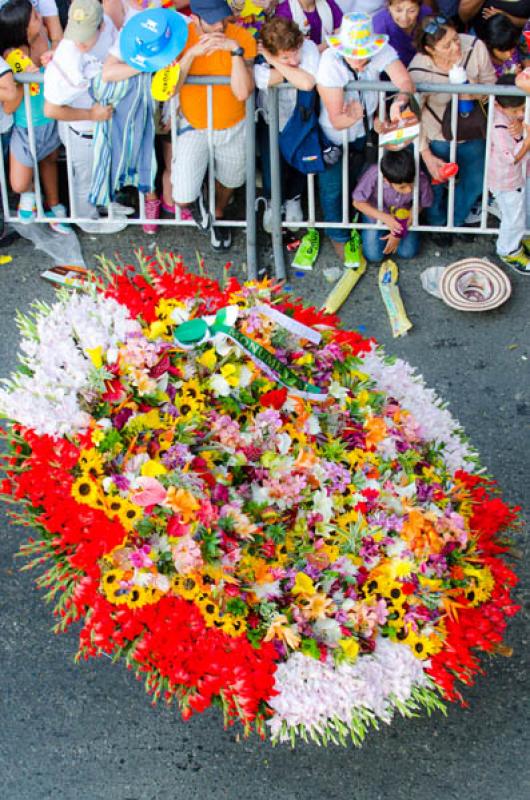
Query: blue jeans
x,y
330,189
374,244
470,159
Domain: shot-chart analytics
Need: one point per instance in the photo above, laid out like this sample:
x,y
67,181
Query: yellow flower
x,y
187,587
97,436
129,514
86,491
192,389
424,646
208,609
95,354
303,585
233,626
188,407
159,329
230,374
137,596
208,359
362,397
91,461
350,648
151,469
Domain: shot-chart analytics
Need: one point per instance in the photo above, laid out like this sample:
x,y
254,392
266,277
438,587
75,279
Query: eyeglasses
x,y
434,25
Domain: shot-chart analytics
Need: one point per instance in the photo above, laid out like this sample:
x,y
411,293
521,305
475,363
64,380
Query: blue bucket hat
x,y
211,11
153,39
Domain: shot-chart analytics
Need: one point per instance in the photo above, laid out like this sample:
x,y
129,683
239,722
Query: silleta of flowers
x,y
250,506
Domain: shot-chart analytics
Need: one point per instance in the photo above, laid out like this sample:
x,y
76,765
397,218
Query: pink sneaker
x,y
152,211
186,215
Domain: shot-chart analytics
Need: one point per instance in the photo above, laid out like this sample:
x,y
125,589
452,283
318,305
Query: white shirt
x,y
46,8
333,73
67,77
309,61
6,120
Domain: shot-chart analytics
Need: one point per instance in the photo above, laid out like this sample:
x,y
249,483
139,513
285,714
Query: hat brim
x,y
451,292
370,49
176,42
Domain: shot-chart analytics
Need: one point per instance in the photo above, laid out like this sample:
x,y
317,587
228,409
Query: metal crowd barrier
x,y
383,88
249,223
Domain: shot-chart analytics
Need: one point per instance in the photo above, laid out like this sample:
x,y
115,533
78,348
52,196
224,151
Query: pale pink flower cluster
x,y
401,381
186,555
311,693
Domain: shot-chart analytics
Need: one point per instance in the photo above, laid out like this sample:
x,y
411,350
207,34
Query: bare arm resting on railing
x,y
97,113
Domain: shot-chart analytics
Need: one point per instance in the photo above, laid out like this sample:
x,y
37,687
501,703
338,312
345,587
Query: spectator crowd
x,y
97,60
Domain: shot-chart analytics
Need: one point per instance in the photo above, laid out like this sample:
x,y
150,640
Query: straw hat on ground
x,y
474,284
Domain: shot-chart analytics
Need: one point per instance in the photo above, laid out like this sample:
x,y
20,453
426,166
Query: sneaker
x,y
526,246
54,215
8,237
293,212
475,215
353,254
307,252
152,211
518,261
27,207
200,214
102,227
119,210
442,239
220,238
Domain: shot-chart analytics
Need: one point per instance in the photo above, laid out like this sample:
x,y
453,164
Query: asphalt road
x,y
88,732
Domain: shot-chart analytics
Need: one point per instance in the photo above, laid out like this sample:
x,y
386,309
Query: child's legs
x,y
167,189
470,157
512,206
373,244
49,177
20,176
409,246
330,192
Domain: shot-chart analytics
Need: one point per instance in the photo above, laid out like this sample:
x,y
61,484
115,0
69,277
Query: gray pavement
x,y
88,732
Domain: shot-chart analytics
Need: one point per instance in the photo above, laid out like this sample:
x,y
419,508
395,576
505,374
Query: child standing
x,y
501,37
19,23
399,171
506,178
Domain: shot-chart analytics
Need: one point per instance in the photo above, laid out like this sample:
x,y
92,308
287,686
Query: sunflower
x,y
115,504
137,596
192,390
481,586
188,407
187,587
393,590
424,646
86,491
111,579
129,514
91,462
297,436
234,626
208,609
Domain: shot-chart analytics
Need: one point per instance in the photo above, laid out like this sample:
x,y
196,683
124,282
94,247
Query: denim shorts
x,y
46,141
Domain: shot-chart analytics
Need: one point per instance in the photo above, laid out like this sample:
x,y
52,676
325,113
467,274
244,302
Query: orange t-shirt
x,y
227,110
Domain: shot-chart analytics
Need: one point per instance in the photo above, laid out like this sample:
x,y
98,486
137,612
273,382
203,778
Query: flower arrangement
x,y
250,506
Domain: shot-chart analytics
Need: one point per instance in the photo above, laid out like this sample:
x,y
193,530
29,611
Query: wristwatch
x,y
237,51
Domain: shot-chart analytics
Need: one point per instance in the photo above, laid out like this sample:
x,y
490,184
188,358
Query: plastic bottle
x,y
458,76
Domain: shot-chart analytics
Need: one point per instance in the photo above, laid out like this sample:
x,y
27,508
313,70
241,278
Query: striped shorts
x,y
190,159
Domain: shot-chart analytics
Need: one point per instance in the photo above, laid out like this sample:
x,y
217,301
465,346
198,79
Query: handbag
x,y
303,143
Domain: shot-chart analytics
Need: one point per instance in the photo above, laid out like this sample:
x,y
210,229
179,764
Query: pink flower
x,y
151,492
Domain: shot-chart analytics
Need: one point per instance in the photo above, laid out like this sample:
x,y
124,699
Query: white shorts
x,y
190,159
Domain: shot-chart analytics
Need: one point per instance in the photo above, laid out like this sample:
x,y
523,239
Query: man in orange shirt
x,y
215,46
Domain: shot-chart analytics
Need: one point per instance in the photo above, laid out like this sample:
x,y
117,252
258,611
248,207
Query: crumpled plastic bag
x,y
430,280
63,249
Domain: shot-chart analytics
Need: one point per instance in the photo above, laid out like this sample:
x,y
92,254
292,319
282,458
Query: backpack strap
x,y
355,75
